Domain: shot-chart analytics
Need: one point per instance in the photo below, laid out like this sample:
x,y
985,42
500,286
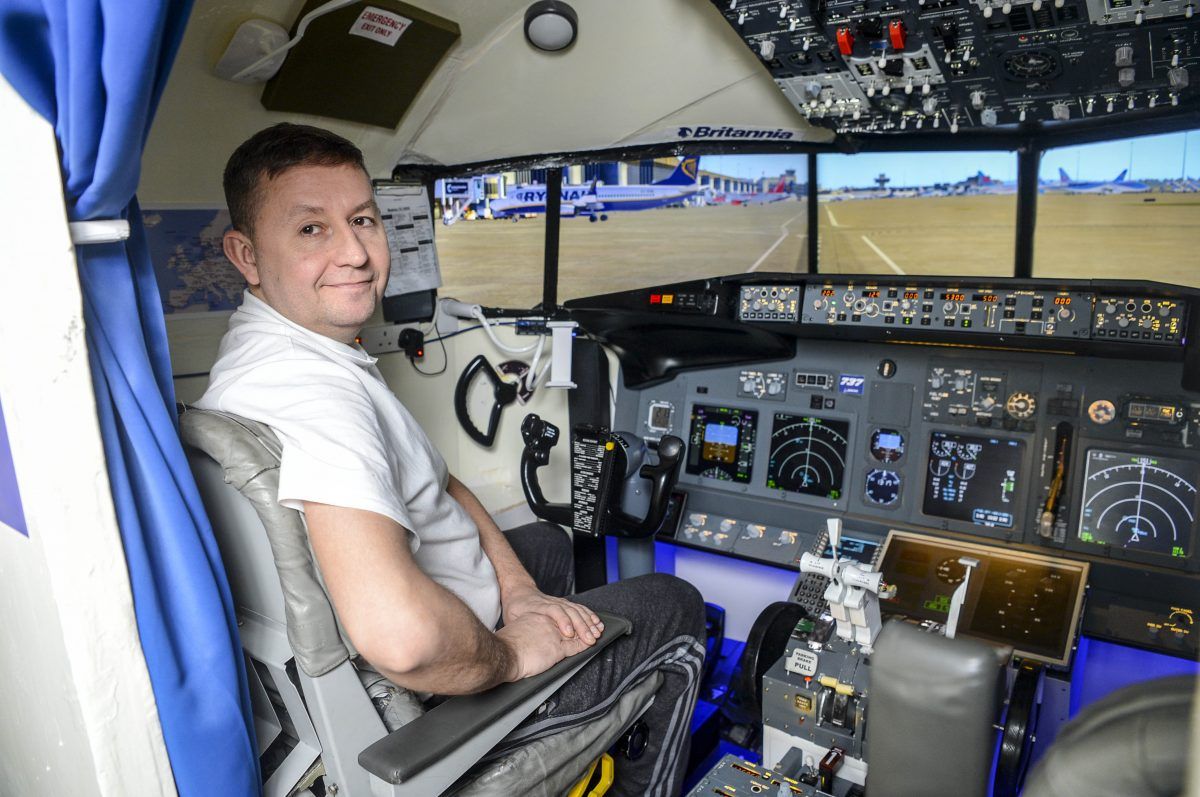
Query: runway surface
x,y
499,263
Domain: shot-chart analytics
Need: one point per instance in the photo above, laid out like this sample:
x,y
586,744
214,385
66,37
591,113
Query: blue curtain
x,y
96,69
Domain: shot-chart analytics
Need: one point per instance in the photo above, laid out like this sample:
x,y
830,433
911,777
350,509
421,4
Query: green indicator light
x,y
939,604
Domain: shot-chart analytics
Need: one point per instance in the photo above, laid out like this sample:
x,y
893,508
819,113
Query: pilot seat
x,y
320,711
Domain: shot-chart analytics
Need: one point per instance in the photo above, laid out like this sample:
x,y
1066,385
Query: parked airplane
x,y
980,183
777,193
595,201
1118,185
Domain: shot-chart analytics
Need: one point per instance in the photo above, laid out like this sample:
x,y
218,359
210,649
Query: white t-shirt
x,y
348,441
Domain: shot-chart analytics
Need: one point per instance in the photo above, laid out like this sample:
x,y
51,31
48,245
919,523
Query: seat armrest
x,y
407,752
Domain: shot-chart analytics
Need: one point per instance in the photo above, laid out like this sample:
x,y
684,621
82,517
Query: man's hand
x,y
572,620
536,644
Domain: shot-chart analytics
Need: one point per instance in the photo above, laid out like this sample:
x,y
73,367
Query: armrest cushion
x,y
407,751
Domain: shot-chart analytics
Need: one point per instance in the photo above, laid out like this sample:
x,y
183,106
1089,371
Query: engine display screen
x,y
973,478
721,443
1029,601
1139,502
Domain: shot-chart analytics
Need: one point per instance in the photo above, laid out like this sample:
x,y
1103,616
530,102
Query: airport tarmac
x,y
499,263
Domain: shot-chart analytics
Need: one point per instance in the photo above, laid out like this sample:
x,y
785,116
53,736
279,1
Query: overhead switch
x,y
897,33
845,41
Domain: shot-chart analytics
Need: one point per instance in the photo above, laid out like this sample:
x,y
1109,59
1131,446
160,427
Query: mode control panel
x,y
769,303
1026,313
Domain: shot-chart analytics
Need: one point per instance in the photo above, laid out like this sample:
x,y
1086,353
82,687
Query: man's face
x,y
318,254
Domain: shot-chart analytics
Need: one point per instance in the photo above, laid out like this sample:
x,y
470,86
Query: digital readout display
x,y
721,443
973,478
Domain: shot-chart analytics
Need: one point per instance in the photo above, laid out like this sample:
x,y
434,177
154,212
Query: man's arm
x,y
519,594
410,628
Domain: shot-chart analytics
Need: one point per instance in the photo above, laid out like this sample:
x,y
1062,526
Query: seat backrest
x,y
264,545
933,702
1134,741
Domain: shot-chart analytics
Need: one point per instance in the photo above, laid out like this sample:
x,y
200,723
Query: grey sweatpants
x,y
668,636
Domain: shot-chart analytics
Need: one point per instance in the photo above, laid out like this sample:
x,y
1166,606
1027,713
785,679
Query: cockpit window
x,y
624,225
917,213
1121,210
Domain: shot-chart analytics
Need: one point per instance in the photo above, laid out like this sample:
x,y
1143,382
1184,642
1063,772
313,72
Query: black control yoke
x,y
540,436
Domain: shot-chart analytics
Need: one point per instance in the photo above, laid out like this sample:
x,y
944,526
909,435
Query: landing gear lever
x,y
622,485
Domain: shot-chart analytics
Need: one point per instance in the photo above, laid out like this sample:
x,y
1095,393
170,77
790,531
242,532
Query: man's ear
x,y
240,251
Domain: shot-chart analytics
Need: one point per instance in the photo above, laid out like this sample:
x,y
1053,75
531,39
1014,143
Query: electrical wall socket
x,y
383,338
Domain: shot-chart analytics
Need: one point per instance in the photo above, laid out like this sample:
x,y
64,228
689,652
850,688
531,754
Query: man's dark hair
x,y
269,153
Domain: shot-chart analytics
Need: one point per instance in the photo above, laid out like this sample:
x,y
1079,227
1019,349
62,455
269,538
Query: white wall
x,y
77,715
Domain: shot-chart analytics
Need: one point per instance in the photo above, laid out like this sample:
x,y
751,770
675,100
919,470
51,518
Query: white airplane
x,y
777,193
596,201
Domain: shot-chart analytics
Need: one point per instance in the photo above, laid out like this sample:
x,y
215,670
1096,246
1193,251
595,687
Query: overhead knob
x,y
1060,111
1124,55
766,49
988,117
1125,77
929,105
1177,77
977,99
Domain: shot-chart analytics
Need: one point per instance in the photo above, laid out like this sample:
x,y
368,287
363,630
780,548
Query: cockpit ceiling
x,y
638,72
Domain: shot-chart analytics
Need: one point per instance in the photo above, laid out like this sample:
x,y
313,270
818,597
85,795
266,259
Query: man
x,y
431,593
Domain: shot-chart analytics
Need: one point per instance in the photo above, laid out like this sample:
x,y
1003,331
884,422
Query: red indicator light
x,y
656,298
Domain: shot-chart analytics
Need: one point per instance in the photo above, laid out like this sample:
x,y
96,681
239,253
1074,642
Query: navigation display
x,y
1139,502
808,455
1029,601
721,443
973,478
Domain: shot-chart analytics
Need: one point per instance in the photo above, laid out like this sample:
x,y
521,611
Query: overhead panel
x,y
891,66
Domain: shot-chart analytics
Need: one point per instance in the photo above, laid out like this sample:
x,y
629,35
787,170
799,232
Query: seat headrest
x,y
248,454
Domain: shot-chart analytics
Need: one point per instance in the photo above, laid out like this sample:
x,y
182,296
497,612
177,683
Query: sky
x,y
1147,158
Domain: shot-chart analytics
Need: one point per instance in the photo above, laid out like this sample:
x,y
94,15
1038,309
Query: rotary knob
x,y
1021,405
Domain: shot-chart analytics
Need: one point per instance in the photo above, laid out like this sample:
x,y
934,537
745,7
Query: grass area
x,y
1082,236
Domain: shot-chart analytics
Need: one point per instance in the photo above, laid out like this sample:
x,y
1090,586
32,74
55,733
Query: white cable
x,y
477,313
532,376
320,11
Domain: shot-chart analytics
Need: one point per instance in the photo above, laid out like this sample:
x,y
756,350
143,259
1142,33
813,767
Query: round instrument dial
x,y
1102,411
1021,405
883,486
1030,64
951,571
